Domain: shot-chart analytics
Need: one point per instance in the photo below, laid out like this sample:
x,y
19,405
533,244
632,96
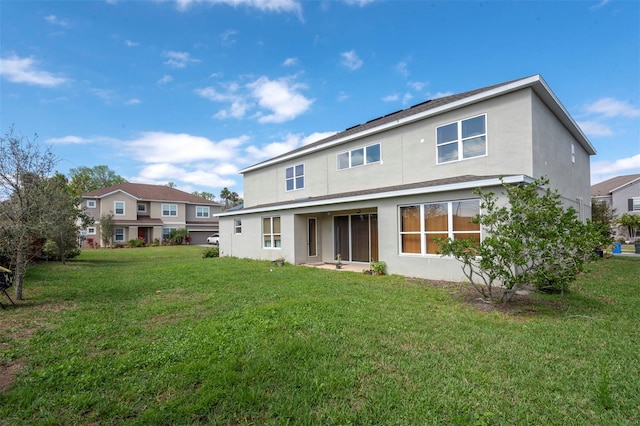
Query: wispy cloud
x,y
610,107
600,4
289,62
69,140
54,20
360,3
227,37
130,43
351,60
290,141
603,170
133,101
277,100
165,79
402,69
23,70
178,59
595,128
278,6
391,98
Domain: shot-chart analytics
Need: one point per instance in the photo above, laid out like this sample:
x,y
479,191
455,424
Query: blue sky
x,y
191,91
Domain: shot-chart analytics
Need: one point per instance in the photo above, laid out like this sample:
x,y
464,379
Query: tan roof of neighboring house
x,y
613,184
146,192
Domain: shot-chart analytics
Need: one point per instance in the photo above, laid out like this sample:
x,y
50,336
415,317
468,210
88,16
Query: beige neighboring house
x,y
150,212
621,193
385,189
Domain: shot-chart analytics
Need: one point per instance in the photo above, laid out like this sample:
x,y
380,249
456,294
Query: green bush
x,y
137,242
51,251
211,252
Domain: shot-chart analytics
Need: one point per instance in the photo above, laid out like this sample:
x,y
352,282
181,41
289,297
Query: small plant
x,y
280,261
211,252
136,242
379,267
338,261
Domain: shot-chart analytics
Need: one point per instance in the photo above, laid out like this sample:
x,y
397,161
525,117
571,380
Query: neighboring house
x,y
150,212
622,194
385,189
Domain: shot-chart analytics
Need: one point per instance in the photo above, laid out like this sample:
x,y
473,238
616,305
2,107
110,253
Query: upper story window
x,y
91,204
271,234
359,157
118,208
462,139
142,208
170,210
202,211
421,224
295,177
237,226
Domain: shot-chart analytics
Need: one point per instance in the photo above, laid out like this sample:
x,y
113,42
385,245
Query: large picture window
x,y
359,157
170,210
421,224
295,177
271,233
462,139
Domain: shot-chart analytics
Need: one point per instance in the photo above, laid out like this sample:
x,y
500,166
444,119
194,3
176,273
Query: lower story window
x,y
119,235
166,232
91,231
422,224
271,234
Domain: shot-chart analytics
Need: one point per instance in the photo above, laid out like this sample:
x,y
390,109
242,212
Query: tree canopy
x,y
85,179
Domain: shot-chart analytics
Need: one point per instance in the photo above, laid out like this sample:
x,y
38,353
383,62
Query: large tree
x,y
529,241
85,179
24,169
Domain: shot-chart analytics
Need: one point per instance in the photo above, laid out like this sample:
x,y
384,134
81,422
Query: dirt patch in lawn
x,y
521,304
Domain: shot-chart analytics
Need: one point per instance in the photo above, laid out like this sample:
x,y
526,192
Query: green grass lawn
x,y
161,336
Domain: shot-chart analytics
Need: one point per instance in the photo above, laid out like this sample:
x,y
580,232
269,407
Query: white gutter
x,y
389,194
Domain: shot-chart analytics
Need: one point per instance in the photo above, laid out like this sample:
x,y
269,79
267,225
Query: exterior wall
x,y
178,221
621,198
130,206
553,158
408,155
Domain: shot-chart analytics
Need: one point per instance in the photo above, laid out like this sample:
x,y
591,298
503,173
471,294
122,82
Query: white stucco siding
x,y
621,198
568,171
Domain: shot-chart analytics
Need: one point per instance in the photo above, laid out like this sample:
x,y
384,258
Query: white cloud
x,y
133,101
610,107
22,70
69,140
157,147
401,68
281,97
178,59
391,98
227,37
417,85
602,3
263,5
603,170
289,62
406,98
440,95
53,19
291,141
130,43
239,105
351,60
595,128
360,3
342,96
165,79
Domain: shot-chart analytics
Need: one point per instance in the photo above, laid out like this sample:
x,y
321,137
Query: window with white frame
x,y
91,230
237,226
462,139
119,235
166,232
142,208
421,224
170,210
91,204
118,208
202,211
359,157
271,234
635,205
294,177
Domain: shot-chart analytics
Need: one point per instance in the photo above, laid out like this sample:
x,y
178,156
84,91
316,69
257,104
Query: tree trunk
x,y
18,279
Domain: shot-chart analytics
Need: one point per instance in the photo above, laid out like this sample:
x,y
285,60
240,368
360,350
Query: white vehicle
x,y
213,239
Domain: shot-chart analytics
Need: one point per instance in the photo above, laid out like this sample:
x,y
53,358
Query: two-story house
x,y
150,212
385,189
622,194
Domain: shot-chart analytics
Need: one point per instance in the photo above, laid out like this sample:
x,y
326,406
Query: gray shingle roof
x,y
610,185
147,192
